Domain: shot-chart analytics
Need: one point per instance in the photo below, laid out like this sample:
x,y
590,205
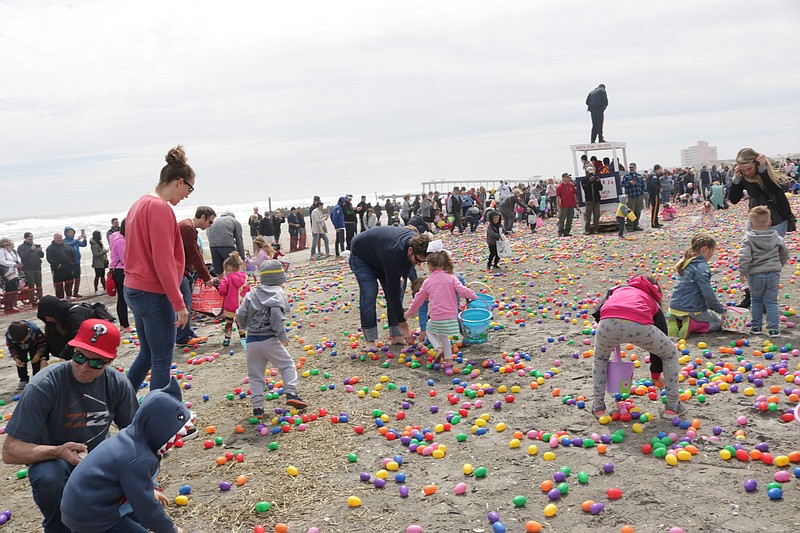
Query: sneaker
x,y
756,330
774,333
746,301
191,433
99,292
258,412
295,401
226,342
197,340
680,410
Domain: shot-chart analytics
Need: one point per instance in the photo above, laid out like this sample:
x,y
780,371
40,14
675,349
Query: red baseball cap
x,y
100,337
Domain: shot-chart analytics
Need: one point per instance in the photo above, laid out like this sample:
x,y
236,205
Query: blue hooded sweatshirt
x,y
75,244
122,469
337,213
694,293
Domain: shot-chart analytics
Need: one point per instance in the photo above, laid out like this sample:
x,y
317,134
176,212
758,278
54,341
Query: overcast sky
x,y
292,99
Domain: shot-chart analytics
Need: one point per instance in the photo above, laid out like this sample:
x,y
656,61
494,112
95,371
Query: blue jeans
x,y
764,293
324,237
779,228
368,278
218,256
155,324
47,480
185,333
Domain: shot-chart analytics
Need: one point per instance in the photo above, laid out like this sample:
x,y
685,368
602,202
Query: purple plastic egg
x,y
403,491
559,476
364,476
597,508
608,468
554,494
751,485
379,483
493,516
224,486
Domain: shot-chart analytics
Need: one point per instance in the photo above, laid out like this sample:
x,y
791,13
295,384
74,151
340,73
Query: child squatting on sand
x,y
262,314
693,296
761,257
627,316
442,290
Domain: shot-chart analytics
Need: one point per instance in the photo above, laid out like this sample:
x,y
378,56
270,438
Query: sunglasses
x,y
191,187
97,364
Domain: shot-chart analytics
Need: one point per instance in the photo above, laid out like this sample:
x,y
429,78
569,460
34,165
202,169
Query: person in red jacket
x,y
627,316
195,268
154,267
567,202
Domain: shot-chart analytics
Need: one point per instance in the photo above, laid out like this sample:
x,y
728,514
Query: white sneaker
x,y
99,292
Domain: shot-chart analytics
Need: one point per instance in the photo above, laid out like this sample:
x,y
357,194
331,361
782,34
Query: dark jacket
x,y
62,262
771,196
69,318
597,99
349,213
591,189
385,248
265,226
30,257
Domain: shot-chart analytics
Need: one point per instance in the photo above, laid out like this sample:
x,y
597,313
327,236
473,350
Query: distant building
x,y
699,155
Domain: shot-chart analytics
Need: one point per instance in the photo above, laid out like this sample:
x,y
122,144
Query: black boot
x,y
746,301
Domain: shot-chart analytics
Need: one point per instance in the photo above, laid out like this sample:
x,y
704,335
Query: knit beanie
x,y
272,273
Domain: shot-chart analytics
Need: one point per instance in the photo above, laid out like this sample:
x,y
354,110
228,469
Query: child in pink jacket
x,y
233,286
442,290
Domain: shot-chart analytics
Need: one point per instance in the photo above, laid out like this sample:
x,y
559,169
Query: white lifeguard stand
x,y
611,182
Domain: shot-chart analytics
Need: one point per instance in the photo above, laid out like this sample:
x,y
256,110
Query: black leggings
x,y
122,307
493,255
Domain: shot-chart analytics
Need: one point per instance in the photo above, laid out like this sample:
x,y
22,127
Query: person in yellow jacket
x,y
624,212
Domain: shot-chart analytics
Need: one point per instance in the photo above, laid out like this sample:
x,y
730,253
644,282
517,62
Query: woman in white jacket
x,y
370,220
9,260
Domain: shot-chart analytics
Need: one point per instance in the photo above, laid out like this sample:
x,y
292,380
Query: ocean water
x,y
43,228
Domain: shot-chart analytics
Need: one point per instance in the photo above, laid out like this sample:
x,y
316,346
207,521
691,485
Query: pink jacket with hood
x,y
233,287
638,301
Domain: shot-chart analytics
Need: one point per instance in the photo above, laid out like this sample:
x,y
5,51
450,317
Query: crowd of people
x,y
155,262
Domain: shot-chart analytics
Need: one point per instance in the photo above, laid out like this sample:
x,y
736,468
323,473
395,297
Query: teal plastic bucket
x,y
484,301
475,323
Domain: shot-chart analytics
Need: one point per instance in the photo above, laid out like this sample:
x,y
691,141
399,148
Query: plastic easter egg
x,y
224,486
292,470
550,509
751,485
185,489
461,488
775,493
403,490
498,527
532,526
614,493
583,477
480,472
262,507
414,529
520,501
353,501
181,500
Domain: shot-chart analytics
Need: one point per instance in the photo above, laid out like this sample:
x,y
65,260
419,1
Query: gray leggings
x,y
611,332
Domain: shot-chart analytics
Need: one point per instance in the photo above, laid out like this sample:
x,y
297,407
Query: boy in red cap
x,y
66,412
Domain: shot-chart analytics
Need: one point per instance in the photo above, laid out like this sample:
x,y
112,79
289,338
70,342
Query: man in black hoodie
x,y
596,103
350,220
31,256
592,186
62,264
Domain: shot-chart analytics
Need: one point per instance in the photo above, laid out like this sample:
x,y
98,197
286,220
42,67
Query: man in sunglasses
x,y
65,412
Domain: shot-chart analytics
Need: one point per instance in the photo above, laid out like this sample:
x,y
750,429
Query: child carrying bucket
x,y
627,316
441,289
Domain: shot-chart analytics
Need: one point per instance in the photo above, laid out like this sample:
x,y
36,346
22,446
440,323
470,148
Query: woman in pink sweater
x,y
442,290
154,263
232,288
626,316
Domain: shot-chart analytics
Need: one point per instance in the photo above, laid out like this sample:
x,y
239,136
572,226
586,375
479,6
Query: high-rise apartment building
x,y
699,155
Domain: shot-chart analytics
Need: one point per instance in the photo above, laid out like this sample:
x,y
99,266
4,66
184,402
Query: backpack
x,y
99,310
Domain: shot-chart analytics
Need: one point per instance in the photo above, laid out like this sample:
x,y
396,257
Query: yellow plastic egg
x,y
292,470
514,443
500,427
725,454
438,453
392,466
684,455
181,500
549,456
671,459
550,509
533,449
382,474
467,469
353,501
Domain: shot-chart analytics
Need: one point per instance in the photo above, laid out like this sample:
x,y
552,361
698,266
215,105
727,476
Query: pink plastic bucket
x,y
619,377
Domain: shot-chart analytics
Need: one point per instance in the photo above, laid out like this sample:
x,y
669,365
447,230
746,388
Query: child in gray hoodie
x,y
262,314
761,258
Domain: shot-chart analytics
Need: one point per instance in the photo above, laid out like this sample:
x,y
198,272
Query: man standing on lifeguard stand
x,y
597,102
